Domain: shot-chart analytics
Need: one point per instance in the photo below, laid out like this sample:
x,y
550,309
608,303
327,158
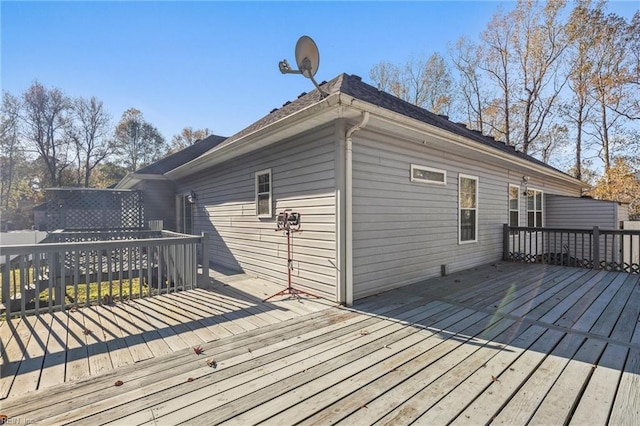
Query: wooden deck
x,y
41,352
505,343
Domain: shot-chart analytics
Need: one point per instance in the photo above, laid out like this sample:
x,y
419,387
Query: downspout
x,y
349,206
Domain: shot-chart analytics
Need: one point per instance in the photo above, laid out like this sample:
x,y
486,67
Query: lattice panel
x,y
95,210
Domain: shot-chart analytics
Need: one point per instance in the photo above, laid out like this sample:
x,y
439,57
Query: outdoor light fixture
x,y
192,197
525,182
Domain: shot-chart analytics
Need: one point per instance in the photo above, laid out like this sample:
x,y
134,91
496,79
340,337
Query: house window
x,y
424,174
514,205
263,193
534,208
468,206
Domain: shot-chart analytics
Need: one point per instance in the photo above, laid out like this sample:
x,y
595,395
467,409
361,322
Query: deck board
x,y
54,364
28,374
503,343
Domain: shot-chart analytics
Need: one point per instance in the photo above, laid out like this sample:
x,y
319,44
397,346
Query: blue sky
x,y
215,64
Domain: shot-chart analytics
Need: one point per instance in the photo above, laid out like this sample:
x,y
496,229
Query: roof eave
x,y
131,179
316,114
459,140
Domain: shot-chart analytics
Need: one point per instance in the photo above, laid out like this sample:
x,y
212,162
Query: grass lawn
x,y
94,291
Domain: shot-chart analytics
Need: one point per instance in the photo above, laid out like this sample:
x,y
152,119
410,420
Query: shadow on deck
x,y
48,349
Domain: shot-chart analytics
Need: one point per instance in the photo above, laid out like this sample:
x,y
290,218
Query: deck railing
x,y
73,269
610,250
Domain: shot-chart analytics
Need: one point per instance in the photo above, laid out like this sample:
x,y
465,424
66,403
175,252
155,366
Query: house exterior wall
x,y
159,199
404,231
623,213
303,179
581,213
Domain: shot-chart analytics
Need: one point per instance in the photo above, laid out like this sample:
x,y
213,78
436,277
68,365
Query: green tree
x,y
10,149
107,174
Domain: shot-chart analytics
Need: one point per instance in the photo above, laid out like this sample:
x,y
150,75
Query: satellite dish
x,y
307,56
307,59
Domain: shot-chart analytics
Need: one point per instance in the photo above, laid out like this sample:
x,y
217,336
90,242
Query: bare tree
x,y
138,143
608,78
386,76
438,85
466,59
539,44
422,82
578,109
89,130
187,137
497,52
44,115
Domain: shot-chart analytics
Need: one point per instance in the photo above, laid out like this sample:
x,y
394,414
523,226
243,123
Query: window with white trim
x,y
514,205
263,193
425,174
468,208
535,208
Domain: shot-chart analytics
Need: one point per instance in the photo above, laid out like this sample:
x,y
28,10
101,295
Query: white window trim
x,y
511,185
541,207
430,169
259,173
477,179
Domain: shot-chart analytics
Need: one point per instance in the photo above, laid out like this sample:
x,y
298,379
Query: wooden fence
x,y
73,269
610,250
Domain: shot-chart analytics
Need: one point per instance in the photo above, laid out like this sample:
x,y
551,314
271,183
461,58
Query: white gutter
x,y
348,175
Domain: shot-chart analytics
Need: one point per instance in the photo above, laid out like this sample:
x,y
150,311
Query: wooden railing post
x,y
505,241
595,256
205,255
6,290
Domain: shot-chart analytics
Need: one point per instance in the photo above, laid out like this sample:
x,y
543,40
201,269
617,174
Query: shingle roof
x,y
182,157
354,86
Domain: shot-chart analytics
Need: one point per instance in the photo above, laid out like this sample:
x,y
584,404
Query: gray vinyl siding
x,y
303,179
581,213
404,231
159,202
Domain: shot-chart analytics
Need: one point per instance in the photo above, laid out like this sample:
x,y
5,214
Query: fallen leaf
x,y
190,379
494,379
198,350
364,406
119,383
212,363
86,331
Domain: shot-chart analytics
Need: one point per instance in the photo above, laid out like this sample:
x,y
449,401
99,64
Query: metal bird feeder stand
x,y
289,222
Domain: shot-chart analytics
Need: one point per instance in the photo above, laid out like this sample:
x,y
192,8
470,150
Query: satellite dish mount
x,y
307,59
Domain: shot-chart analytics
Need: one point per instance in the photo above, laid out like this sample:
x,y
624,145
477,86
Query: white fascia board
x,y
314,115
452,138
